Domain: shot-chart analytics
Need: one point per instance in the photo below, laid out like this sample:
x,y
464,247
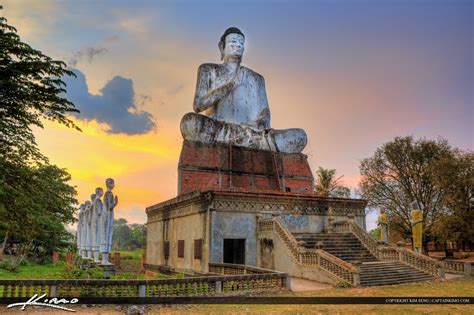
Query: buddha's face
x,y
234,46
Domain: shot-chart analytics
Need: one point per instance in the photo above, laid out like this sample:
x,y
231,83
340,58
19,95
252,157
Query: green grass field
x,y
35,271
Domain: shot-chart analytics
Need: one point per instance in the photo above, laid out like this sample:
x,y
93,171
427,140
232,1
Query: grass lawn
x,y
35,271
136,254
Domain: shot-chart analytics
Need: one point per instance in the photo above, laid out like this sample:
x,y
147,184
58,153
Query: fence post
x,y
288,281
356,274
142,290
53,291
441,270
218,287
467,269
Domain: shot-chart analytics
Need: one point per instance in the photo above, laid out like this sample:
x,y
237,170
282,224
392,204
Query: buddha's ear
x,y
221,48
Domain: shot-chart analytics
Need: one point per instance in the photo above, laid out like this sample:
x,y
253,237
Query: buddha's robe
x,y
237,114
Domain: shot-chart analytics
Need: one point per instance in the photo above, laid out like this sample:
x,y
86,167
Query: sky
x,y
353,73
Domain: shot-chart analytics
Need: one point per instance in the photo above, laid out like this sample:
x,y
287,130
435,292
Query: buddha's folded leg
x,y
290,140
200,128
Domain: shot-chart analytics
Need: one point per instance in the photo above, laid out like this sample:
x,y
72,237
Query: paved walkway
x,y
300,285
452,276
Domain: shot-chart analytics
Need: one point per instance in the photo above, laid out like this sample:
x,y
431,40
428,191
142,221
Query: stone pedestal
x,y
109,270
117,261
205,167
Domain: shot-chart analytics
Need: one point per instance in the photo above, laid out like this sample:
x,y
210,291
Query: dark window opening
x,y
234,251
166,249
180,248
198,249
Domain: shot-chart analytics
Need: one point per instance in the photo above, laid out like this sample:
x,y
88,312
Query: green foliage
x,y
30,89
328,185
130,276
375,233
35,199
454,175
128,236
37,202
9,266
422,171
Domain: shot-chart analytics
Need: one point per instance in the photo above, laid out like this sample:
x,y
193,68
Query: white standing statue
x,y
231,105
97,223
88,220
109,204
80,229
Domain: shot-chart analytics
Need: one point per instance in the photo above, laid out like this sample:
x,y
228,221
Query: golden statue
x,y
383,223
417,227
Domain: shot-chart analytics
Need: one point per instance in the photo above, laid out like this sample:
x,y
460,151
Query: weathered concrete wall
x,y
154,243
188,228
233,225
313,223
283,261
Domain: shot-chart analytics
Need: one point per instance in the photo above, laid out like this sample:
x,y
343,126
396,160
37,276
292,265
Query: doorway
x,y
234,251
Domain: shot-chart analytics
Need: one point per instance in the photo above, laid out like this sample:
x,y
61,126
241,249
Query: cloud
x,y
114,106
89,53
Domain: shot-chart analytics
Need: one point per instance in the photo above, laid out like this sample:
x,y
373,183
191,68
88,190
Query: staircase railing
x,y
366,239
422,262
409,257
336,267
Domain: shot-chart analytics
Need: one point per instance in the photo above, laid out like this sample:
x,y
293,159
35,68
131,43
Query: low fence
x,y
459,267
237,284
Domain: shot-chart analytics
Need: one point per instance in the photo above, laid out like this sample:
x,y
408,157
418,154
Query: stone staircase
x,y
347,247
343,245
385,273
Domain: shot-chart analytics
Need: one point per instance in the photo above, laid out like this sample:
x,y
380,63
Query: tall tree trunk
x,y
2,248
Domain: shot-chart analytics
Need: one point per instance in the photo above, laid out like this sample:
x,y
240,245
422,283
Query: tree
x,y
401,172
329,186
30,89
35,199
454,175
128,236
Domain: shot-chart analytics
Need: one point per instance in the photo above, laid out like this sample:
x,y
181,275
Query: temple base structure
x,y
205,167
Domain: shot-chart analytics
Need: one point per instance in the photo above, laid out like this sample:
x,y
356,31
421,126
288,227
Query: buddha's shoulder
x,y
206,67
252,73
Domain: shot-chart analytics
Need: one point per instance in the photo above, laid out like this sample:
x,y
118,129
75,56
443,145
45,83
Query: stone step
x,y
389,282
395,278
339,249
395,273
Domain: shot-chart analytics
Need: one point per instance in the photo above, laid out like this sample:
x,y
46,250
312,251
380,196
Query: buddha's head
x,y
109,183
232,44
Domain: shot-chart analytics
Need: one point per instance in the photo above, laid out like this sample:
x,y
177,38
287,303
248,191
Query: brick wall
x,y
219,167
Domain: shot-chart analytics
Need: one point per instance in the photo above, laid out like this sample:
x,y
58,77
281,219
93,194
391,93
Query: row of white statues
x,y
95,226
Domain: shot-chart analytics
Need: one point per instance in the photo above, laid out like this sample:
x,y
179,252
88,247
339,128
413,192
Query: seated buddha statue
x,y
231,105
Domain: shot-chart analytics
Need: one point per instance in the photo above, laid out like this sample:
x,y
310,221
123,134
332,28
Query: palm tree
x,y
329,186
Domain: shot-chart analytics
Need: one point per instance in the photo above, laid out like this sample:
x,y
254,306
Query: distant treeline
x,y
128,236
